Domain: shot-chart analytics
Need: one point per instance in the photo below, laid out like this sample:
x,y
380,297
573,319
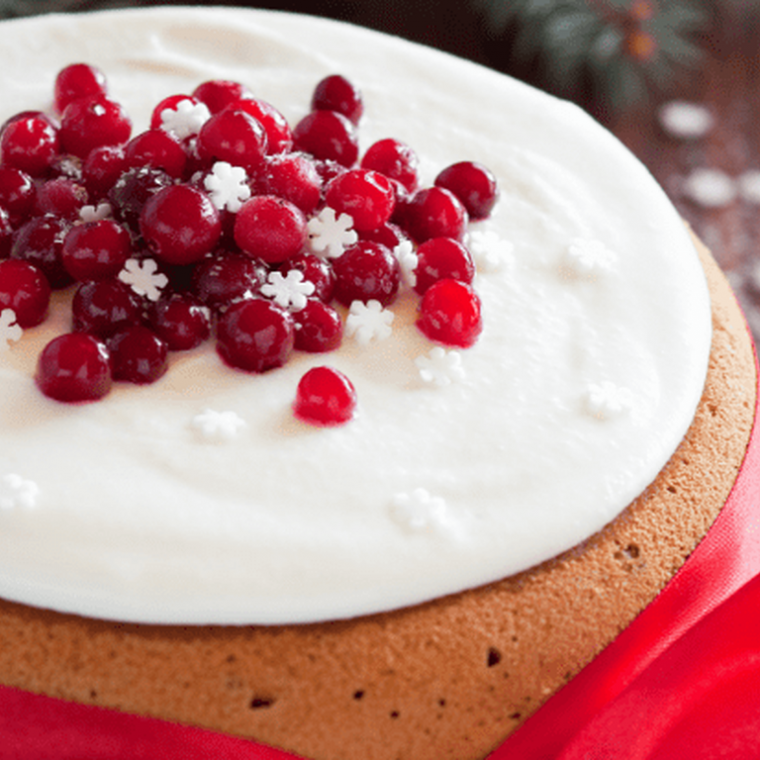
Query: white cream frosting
x,y
585,379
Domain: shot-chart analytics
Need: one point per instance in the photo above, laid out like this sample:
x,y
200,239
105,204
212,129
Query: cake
x,y
416,581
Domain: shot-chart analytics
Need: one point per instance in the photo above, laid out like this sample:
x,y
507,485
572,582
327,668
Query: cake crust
x,y
451,678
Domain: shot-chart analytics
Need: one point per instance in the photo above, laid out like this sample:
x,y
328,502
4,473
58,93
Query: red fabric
x,y
682,681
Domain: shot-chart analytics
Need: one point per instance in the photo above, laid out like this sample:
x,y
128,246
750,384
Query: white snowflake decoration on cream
x,y
289,291
408,260
144,278
490,251
441,367
606,400
418,511
15,492
185,119
330,235
586,258
368,321
95,213
220,426
10,330
227,186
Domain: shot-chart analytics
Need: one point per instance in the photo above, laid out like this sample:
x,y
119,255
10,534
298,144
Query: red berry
x,y
87,124
336,93
74,367
441,259
388,234
17,193
158,148
450,313
255,335
473,184
180,321
102,168
291,176
61,197
434,212
234,137
132,191
328,136
395,160
221,279
217,94
279,133
6,234
366,271
29,143
138,355
104,307
366,196
180,224
96,250
24,289
316,271
79,80
325,396
319,327
270,228
40,242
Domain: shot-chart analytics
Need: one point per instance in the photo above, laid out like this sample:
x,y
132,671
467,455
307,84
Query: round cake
x,y
416,578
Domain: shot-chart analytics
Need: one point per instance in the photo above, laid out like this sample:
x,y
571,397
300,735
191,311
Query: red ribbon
x,y
682,681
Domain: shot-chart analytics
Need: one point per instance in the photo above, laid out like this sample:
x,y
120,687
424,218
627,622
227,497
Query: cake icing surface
x,y
584,381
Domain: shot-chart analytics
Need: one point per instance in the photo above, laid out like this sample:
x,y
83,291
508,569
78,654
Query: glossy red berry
x,y
235,137
223,278
62,197
24,289
255,335
96,250
396,160
17,192
180,224
104,307
180,321
132,191
270,228
30,143
79,80
366,271
158,148
217,94
101,170
325,396
40,242
6,234
474,185
278,131
138,355
434,212
74,367
336,93
366,196
450,313
292,176
328,136
319,327
441,259
87,124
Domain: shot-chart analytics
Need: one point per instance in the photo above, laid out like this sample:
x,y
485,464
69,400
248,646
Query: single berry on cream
x,y
326,397
336,93
138,355
77,81
474,184
25,291
450,313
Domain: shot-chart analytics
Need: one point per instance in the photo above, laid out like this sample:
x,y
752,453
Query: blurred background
x,y
677,80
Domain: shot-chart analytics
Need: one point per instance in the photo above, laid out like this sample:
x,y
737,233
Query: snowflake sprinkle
x,y
584,258
220,426
606,400
16,492
441,367
418,511
95,213
10,330
490,252
330,235
185,119
227,186
288,291
367,322
408,261
144,278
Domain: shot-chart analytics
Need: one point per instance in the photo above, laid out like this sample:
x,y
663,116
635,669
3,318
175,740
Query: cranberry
x,y
291,176
96,250
158,148
102,168
473,184
74,367
325,396
319,327
219,280
17,193
234,137
434,212
366,271
79,80
61,197
40,242
24,289
327,135
104,307
87,124
270,228
217,94
328,170
316,271
442,258
6,234
279,133
366,196
396,160
390,235
133,189
255,335
180,224
450,313
336,93
138,355
180,321
30,143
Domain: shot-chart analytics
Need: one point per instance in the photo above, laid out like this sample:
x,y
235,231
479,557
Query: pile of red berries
x,y
216,196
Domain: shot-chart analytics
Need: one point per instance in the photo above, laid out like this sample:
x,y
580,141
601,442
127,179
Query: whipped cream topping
x,y
201,499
